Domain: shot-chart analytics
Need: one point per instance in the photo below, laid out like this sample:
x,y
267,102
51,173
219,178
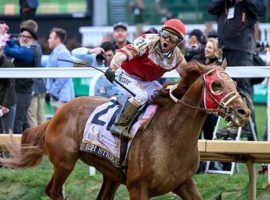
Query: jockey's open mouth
x,y
165,45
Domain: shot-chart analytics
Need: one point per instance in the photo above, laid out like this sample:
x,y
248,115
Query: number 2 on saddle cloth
x,y
98,139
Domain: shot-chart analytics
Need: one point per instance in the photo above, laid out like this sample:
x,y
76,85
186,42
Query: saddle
x,y
98,138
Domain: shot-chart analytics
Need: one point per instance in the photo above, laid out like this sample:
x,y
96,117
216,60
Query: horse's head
x,y
220,95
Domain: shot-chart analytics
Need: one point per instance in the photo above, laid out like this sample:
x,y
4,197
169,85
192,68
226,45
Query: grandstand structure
x,y
11,7
190,11
74,14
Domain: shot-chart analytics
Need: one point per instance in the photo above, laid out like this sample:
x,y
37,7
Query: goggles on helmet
x,y
173,38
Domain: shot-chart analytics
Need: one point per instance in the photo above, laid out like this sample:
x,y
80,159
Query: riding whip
x,y
116,81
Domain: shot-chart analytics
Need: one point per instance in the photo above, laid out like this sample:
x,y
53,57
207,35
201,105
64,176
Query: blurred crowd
x,y
199,45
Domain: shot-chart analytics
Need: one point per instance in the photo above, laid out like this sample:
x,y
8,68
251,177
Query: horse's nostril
x,y
242,112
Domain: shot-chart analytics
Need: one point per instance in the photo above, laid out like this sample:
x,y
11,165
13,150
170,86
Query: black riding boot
x,y
119,127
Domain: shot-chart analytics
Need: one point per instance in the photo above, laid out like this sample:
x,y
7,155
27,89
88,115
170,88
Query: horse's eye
x,y
216,87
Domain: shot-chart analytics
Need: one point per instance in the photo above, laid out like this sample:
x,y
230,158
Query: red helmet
x,y
175,25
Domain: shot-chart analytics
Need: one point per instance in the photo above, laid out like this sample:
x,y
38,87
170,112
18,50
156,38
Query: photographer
x,y
25,54
99,57
195,50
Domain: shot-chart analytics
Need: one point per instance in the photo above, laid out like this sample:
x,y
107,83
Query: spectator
x,y
28,9
93,56
236,20
7,89
212,52
28,54
99,57
212,34
36,113
107,37
59,90
138,66
208,28
151,30
109,51
196,45
120,35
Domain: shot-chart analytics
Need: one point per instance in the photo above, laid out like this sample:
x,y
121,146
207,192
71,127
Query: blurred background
x,y
87,21
72,14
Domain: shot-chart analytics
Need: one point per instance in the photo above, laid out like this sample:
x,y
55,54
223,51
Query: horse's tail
x,y
29,153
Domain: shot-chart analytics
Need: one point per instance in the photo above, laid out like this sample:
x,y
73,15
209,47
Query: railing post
x,y
252,180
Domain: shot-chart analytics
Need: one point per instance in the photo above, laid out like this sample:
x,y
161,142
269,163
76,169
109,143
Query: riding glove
x,y
110,75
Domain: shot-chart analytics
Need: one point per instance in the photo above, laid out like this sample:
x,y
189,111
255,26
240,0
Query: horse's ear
x,y
203,67
224,64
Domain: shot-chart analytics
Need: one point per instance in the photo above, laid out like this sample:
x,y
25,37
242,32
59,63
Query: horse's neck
x,y
187,118
193,95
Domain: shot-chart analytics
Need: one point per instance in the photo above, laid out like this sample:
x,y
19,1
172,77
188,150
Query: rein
x,y
222,104
210,111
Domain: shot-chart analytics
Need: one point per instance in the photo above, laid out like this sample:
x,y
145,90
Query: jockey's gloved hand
x,y
110,75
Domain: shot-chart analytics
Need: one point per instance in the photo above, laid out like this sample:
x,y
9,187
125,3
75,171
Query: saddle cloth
x,y
97,138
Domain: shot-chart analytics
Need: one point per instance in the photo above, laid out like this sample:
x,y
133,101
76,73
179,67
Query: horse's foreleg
x,y
188,191
108,189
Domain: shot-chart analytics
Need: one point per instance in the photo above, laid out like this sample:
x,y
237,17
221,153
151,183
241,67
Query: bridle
x,y
213,102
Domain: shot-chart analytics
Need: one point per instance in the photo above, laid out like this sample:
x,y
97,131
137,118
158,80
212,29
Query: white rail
x,y
86,72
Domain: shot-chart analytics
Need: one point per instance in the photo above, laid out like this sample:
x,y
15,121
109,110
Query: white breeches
x,y
143,90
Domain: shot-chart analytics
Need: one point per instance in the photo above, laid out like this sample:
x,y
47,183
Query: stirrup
x,y
115,129
120,131
127,135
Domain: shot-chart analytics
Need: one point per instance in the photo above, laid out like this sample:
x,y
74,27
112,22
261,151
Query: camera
x,y
194,53
100,57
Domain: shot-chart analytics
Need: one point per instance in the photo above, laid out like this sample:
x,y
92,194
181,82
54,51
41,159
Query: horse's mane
x,y
189,73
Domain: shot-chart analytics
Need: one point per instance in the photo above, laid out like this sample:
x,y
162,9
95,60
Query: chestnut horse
x,y
162,158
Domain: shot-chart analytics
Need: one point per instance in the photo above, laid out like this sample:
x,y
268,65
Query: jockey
x,y
138,66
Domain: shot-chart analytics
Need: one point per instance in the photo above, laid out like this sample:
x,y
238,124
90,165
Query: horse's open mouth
x,y
234,120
